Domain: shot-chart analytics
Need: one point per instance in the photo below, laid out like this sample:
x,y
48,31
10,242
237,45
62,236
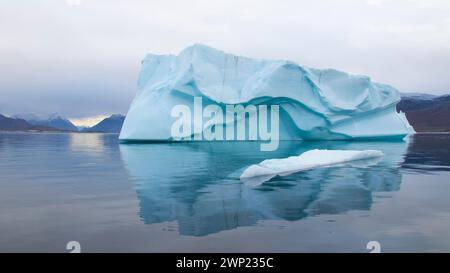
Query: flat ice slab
x,y
259,173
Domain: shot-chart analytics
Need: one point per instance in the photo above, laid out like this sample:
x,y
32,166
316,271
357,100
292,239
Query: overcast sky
x,y
81,58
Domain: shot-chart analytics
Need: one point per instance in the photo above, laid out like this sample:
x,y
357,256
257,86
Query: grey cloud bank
x,y
83,59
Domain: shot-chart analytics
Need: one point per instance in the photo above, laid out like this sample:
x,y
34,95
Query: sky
x,y
88,121
81,58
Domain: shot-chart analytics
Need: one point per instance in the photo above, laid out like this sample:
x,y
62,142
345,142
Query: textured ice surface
x,y
267,169
314,104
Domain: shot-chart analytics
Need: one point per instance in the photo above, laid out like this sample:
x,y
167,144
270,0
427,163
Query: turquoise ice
x,y
314,104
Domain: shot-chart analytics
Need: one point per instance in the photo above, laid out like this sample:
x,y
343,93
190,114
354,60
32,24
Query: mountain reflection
x,y
195,184
428,152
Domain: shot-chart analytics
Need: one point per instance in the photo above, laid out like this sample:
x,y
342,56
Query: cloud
x,y
85,61
375,2
73,2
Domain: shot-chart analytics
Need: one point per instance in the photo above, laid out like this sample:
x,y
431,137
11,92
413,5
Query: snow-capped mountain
x,y
112,124
53,121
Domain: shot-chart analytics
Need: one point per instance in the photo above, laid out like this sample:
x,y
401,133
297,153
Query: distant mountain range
x,y
16,124
112,124
53,121
32,122
426,113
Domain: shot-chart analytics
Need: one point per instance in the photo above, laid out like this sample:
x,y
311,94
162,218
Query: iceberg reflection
x,y
194,184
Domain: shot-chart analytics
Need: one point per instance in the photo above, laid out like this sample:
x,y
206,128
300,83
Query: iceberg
x,y
258,173
314,104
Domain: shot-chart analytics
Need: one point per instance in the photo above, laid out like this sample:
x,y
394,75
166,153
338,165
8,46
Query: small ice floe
x,y
259,173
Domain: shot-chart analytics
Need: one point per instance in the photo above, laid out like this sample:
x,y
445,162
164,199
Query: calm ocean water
x,y
183,197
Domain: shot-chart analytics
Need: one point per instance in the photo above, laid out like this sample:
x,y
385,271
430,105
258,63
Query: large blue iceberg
x,y
313,104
